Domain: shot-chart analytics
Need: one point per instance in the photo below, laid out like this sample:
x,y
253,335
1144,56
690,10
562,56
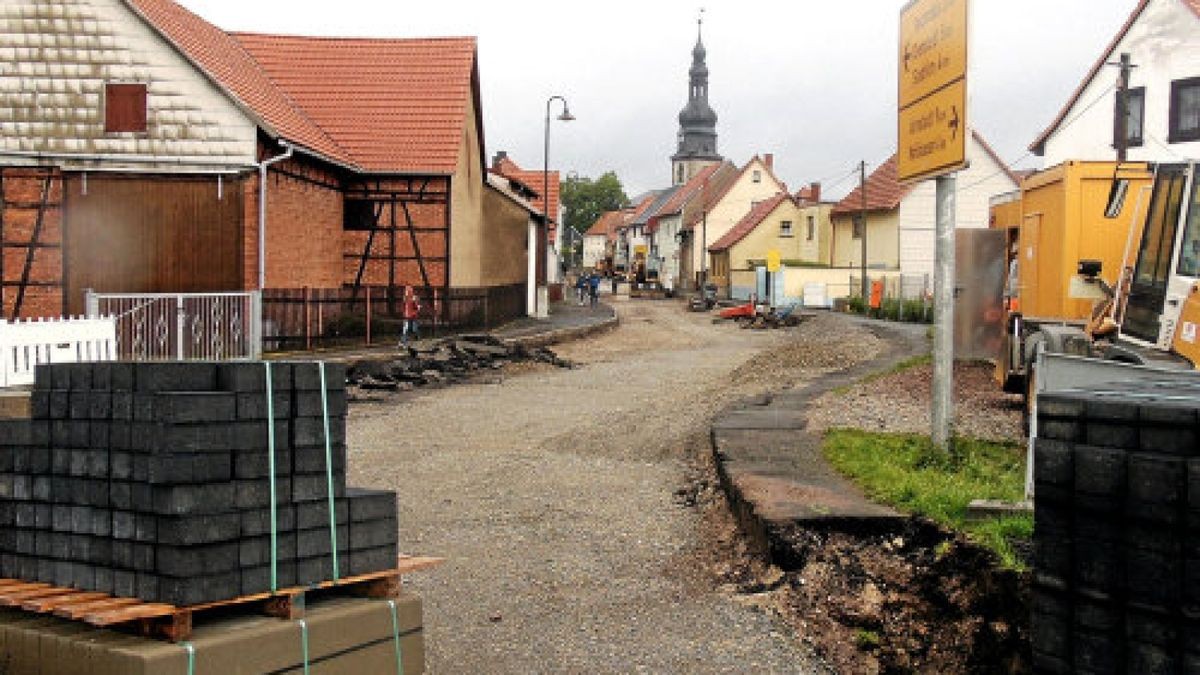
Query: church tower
x,y
697,121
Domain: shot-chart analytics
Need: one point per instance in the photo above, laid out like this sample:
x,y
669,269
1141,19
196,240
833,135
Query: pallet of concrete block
x,y
185,483
337,636
1116,584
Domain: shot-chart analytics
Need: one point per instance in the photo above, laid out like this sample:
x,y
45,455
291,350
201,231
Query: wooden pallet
x,y
174,623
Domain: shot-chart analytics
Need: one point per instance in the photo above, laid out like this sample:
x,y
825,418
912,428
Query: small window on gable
x,y
811,229
858,221
124,108
1185,111
785,228
756,176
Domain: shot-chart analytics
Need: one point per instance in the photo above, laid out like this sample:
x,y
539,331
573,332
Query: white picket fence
x,y
25,344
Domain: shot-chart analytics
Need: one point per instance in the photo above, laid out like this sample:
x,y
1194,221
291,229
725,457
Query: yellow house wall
x,y
817,250
467,243
766,236
736,204
882,241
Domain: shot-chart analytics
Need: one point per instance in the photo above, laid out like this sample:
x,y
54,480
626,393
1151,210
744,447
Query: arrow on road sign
x,y
953,122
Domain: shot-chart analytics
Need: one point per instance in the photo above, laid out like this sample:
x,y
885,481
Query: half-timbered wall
x,y
30,243
401,237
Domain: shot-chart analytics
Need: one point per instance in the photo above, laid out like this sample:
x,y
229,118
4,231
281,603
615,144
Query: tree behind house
x,y
585,199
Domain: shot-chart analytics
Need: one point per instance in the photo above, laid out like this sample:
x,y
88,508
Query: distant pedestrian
x,y
411,311
581,288
594,288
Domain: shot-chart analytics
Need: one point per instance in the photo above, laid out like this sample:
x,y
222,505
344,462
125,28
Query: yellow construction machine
x,y
1104,265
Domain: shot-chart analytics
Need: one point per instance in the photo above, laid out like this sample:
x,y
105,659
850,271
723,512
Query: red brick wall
x,y
304,228
20,192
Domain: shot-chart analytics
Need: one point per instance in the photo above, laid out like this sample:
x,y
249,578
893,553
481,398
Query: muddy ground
x,y
546,575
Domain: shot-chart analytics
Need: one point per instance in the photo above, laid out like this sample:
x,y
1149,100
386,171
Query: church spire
x,y
697,140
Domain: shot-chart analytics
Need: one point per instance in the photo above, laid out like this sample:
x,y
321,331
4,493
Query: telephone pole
x,y
862,219
1121,118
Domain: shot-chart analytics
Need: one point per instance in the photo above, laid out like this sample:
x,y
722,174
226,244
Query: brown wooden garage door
x,y
149,234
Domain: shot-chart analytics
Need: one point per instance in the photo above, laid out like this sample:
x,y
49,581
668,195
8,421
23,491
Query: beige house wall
x,y
467,242
505,229
883,251
766,236
815,251
736,203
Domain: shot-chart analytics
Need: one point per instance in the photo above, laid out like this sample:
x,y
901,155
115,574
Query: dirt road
x,y
552,494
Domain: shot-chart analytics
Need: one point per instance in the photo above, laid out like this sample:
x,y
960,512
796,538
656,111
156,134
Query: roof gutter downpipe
x,y
262,211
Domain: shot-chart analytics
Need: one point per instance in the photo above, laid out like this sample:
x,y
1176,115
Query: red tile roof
x,y
533,179
750,221
720,186
378,105
884,191
606,224
1038,147
220,56
689,189
394,105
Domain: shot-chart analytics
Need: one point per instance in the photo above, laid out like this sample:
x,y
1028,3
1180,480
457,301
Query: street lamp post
x,y
565,116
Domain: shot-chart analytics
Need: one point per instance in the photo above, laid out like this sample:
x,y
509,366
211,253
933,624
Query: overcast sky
x,y
814,82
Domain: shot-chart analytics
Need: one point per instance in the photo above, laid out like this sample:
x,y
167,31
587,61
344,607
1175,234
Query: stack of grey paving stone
x,y
154,481
1117,530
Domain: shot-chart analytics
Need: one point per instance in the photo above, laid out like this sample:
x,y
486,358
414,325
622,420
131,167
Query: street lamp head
x,y
566,115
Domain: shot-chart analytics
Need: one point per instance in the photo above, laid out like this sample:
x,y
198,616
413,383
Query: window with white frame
x,y
785,228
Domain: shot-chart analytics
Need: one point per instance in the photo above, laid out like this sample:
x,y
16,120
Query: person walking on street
x,y
411,311
581,287
594,288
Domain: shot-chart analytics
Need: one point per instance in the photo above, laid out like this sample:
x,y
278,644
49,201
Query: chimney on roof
x,y
769,160
814,192
501,155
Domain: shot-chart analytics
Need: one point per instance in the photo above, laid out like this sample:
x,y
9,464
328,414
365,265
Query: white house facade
x,y
986,177
1162,38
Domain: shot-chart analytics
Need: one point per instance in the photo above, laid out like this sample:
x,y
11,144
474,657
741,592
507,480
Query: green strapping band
x,y
191,657
271,473
333,542
396,638
304,643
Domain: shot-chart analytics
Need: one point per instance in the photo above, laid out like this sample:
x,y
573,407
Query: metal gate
x,y
196,326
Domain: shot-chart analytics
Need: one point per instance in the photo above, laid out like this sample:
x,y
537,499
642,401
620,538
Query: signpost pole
x,y
943,315
932,121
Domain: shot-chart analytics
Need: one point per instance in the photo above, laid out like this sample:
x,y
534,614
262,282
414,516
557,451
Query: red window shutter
x,y
124,107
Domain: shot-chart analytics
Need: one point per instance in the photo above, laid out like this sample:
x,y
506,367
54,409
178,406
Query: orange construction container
x,y
1062,221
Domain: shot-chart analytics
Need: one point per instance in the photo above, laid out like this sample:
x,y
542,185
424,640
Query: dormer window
x,y
124,108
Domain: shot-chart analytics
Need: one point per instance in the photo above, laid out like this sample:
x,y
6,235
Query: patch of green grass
x,y
907,472
866,640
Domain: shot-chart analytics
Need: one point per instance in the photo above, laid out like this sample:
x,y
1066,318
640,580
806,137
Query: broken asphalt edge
x,y
774,476
551,337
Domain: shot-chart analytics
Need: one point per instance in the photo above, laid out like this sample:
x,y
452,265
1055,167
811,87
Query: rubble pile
x,y
447,360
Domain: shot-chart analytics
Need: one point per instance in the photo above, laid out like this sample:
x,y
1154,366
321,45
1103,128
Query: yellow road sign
x,y
773,260
933,134
933,88
933,47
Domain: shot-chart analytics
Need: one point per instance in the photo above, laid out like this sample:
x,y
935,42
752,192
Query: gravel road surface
x,y
552,495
